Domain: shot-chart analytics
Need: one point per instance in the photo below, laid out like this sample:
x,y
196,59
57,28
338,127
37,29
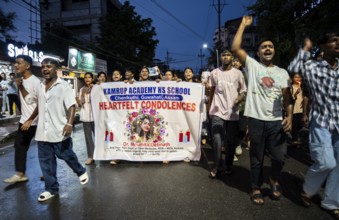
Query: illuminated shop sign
x,y
14,51
81,60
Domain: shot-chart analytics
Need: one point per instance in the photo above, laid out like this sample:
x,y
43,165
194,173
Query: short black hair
x,y
102,73
324,38
144,67
26,58
264,39
225,50
89,73
52,61
188,68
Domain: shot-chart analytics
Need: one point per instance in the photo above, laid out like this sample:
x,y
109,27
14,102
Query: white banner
x,y
147,121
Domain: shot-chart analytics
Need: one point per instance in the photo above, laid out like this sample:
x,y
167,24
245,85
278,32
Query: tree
x,y
6,25
287,22
128,37
275,21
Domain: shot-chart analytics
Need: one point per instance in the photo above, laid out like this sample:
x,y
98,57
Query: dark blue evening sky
x,y
182,26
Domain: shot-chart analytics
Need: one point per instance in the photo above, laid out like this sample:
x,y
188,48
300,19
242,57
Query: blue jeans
x,y
266,136
47,157
224,133
324,150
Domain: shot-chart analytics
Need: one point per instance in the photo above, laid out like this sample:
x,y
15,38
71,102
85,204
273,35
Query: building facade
x,y
80,17
250,36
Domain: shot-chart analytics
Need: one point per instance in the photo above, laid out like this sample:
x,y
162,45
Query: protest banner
x,y
147,121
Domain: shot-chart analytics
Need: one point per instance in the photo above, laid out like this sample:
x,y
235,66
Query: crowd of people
x,y
245,97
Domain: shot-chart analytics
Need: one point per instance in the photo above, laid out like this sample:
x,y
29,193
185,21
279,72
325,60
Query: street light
x,y
216,50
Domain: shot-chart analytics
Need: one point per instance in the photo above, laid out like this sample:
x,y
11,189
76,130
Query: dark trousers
x,y
13,98
89,131
224,133
242,127
296,126
21,146
266,136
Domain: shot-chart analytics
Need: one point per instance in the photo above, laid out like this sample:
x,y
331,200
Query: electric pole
x,y
168,59
201,56
219,7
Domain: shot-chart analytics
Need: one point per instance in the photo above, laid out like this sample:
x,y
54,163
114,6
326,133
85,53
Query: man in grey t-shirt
x,y
268,92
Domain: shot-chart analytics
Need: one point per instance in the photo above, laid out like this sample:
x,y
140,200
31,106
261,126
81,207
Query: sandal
x,y
335,213
276,191
45,196
89,161
257,198
214,174
113,162
305,199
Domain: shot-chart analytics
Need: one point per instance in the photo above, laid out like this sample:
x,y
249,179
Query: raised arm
x,y
236,45
304,54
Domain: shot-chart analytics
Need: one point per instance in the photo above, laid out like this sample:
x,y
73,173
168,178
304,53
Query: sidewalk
x,y
8,128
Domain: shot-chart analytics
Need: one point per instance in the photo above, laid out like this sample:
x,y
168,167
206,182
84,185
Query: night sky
x,y
182,26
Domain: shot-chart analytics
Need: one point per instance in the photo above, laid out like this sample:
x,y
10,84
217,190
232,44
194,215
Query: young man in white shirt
x,y
55,125
268,88
28,91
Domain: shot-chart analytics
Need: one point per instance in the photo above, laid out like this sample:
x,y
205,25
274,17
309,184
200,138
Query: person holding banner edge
x,y
117,77
86,115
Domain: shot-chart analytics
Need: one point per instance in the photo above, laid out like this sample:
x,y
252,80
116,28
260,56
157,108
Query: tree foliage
x,y
7,25
287,22
129,37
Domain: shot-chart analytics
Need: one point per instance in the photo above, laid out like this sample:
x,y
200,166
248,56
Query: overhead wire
x,y
152,13
180,54
178,20
207,21
103,52
162,19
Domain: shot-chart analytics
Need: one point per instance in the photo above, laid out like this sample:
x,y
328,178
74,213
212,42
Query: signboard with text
x,y
147,121
81,60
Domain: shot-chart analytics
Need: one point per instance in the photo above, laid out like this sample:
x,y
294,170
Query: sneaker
x,y
16,178
45,196
238,150
84,178
235,158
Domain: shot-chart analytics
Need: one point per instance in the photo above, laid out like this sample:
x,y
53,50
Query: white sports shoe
x,y
45,196
16,178
235,158
238,150
84,178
